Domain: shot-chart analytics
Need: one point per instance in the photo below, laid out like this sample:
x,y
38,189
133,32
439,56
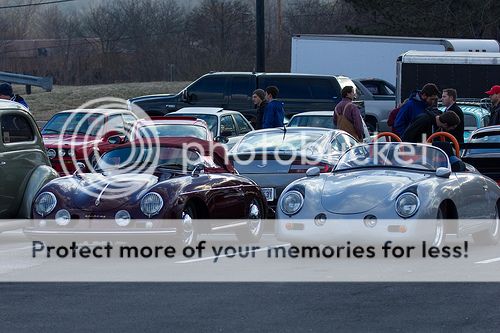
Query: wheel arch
x,y
39,177
450,213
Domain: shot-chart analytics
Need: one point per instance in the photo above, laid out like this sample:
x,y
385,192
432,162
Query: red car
x,y
77,137
170,127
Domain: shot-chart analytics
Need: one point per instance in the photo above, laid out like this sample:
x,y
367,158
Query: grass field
x,y
44,105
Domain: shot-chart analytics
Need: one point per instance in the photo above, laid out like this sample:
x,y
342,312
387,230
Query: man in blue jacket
x,y
417,103
274,114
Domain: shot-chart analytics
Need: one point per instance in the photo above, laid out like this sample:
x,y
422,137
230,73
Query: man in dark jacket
x,y
259,100
417,103
7,93
494,93
427,122
449,100
274,114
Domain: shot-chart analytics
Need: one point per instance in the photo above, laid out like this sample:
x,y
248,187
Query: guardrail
x,y
27,80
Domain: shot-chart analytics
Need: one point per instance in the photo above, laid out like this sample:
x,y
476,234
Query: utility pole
x,y
260,65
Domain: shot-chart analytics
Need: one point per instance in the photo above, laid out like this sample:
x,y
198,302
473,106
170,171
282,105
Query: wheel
x,y
439,234
252,231
372,126
186,231
489,236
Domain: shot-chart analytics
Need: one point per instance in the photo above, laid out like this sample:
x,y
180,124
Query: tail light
x,y
301,167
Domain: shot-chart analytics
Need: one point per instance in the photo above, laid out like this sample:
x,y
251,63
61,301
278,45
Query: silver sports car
x,y
390,191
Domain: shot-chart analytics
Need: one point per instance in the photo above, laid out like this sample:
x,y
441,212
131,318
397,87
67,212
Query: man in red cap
x,y
494,93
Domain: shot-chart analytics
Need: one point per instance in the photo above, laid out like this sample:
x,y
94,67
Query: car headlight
x,y
291,202
51,153
61,152
122,218
151,204
70,153
63,217
45,203
407,204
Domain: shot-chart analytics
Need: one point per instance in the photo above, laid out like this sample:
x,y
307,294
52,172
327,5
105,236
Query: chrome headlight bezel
x,y
287,195
399,204
50,207
151,211
122,218
51,153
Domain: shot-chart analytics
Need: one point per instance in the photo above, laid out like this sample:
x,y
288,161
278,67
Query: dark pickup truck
x,y
233,91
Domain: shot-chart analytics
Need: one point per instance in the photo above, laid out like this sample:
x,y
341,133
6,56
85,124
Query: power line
x,y
36,4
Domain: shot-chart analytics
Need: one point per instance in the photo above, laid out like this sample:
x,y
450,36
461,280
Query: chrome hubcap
x,y
187,228
255,221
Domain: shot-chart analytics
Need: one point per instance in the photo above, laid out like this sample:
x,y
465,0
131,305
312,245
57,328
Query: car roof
x,y
97,111
205,110
172,120
270,74
495,128
314,113
9,105
295,129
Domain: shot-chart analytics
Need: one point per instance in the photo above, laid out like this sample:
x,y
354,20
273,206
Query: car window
x,y
227,127
173,130
240,87
74,123
16,128
211,87
243,126
312,121
470,122
129,119
290,88
115,122
343,142
323,89
279,141
210,119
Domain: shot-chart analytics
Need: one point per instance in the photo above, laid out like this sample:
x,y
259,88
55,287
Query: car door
x,y
240,89
207,91
472,200
21,152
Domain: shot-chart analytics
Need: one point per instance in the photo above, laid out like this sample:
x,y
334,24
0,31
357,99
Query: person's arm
x,y
355,116
265,117
415,130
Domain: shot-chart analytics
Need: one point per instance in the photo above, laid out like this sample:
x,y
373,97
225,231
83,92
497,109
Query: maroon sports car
x,y
167,188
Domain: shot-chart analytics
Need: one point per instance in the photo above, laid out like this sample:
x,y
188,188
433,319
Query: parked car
x,y
171,127
227,126
71,136
122,202
475,116
233,91
322,119
24,165
379,100
483,151
273,158
390,191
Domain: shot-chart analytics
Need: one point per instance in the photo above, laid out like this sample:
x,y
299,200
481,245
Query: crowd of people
x,y
413,120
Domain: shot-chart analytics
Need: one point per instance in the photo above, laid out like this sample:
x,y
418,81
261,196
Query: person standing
x,y
427,122
393,114
7,93
259,100
274,114
449,100
347,116
494,94
417,103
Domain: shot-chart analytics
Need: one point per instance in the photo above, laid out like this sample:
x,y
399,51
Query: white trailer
x,y
471,74
358,56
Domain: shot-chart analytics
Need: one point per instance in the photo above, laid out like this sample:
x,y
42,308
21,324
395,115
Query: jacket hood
x,y
360,191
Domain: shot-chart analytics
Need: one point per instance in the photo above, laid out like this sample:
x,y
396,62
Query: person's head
x,y
448,121
449,96
272,92
6,91
494,94
348,92
429,94
258,96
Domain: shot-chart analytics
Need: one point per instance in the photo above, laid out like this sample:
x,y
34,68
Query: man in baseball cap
x,y
494,93
7,93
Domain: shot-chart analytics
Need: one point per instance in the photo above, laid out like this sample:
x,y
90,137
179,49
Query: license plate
x,y
268,193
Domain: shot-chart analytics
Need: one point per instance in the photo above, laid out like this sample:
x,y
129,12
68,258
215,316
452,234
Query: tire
x,y
372,127
439,230
491,235
252,231
186,231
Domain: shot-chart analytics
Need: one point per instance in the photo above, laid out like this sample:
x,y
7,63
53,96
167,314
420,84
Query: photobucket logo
x,y
96,127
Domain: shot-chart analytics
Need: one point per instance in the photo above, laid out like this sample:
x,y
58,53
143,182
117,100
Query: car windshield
x,y
173,130
133,159
282,141
210,119
74,123
312,121
400,155
485,137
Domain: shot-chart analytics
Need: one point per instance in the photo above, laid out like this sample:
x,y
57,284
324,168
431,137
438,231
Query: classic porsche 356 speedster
x,y
189,183
390,191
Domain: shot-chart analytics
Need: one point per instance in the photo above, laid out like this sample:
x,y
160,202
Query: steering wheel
x,y
443,136
389,135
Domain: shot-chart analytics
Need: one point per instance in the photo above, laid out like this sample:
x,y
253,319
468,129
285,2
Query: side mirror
x,y
186,96
114,140
313,172
221,139
443,172
199,168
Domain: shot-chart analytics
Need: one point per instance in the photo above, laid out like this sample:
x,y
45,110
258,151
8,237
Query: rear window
x,y
312,121
16,128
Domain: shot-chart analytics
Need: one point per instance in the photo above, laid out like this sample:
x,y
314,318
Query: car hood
x,y
99,192
68,140
360,191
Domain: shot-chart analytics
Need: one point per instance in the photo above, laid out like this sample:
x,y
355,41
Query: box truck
x,y
471,74
358,56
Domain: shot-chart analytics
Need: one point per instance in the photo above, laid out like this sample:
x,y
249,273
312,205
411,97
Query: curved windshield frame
x,y
394,155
